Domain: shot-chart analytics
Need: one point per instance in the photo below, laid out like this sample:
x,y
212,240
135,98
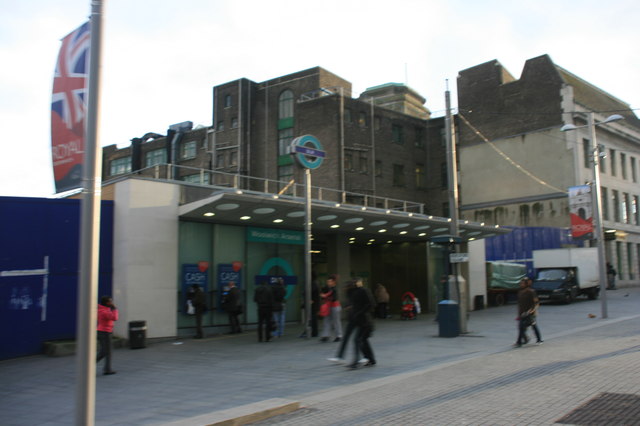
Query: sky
x,y
162,58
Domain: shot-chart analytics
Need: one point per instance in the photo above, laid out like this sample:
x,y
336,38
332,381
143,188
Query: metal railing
x,y
216,179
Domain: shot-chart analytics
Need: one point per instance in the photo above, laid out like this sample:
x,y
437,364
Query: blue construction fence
x,y
518,245
39,258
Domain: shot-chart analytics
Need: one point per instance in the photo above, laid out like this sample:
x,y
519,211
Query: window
x,y
189,150
348,161
612,161
363,163
120,166
362,119
420,176
419,142
398,175
378,170
376,123
220,161
586,152
603,159
634,172
397,134
197,178
443,137
444,175
234,122
615,200
233,158
227,101
605,203
285,136
623,165
347,115
635,212
625,208
285,104
220,126
157,156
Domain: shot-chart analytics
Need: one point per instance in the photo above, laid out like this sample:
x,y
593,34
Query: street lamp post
x,y
597,200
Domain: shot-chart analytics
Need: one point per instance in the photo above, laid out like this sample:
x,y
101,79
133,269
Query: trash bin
x,y
448,318
478,302
137,334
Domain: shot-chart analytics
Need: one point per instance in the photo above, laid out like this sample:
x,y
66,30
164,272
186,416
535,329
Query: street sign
x,y
458,257
308,151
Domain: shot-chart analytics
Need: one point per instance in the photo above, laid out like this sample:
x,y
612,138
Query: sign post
x,y
309,153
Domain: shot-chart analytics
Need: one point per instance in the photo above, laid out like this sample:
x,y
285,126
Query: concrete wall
x,y
477,276
145,253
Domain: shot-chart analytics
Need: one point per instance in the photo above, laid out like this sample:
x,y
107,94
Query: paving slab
x,y
181,380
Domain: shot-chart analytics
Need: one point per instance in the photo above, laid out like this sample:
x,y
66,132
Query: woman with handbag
x,y
332,310
527,311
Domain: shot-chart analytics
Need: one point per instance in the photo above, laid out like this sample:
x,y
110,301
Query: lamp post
x,y
597,199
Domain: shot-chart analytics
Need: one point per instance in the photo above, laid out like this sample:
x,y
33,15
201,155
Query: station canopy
x,y
361,224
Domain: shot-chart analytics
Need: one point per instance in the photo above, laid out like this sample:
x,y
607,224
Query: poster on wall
x,y
581,212
196,274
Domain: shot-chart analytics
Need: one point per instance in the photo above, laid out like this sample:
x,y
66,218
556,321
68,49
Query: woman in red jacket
x,y
107,314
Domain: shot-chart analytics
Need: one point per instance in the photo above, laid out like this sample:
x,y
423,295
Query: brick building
x,y
379,145
516,165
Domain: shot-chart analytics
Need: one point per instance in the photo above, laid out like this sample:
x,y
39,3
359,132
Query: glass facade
x,y
257,253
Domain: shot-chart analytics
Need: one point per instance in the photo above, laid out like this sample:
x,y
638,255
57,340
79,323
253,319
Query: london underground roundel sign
x,y
308,151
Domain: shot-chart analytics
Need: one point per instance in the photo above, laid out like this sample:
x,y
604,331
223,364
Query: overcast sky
x,y
161,58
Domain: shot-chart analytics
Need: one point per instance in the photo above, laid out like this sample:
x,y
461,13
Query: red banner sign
x,y
68,109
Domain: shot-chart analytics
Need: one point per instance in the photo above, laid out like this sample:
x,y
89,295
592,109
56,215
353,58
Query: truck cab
x,y
556,284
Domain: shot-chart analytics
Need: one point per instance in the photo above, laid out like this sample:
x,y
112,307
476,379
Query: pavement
x,y
586,372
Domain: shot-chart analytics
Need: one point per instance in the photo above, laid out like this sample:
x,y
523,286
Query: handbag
x,y
325,309
191,310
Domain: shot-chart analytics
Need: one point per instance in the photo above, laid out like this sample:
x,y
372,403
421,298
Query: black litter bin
x,y
478,302
449,318
137,334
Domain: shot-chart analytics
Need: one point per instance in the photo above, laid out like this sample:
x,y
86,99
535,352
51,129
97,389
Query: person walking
x,y
382,300
200,305
279,307
329,294
611,277
528,304
233,307
107,315
351,325
362,305
263,296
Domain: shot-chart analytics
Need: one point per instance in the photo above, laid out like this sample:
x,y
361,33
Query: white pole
x,y
307,251
89,237
597,215
452,175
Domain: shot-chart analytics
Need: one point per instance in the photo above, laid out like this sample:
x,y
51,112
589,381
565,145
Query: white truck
x,y
565,273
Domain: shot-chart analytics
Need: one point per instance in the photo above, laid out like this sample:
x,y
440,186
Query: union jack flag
x,y
68,108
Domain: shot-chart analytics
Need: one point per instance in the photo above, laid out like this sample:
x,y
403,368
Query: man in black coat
x,y
263,296
362,304
199,302
233,307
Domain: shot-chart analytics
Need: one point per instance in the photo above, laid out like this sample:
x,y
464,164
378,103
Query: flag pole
x,y
89,236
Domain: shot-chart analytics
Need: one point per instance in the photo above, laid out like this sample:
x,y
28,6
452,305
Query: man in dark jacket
x,y
527,308
200,305
233,307
362,304
263,296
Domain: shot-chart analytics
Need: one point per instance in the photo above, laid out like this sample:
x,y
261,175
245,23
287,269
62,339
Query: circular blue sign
x,y
308,151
